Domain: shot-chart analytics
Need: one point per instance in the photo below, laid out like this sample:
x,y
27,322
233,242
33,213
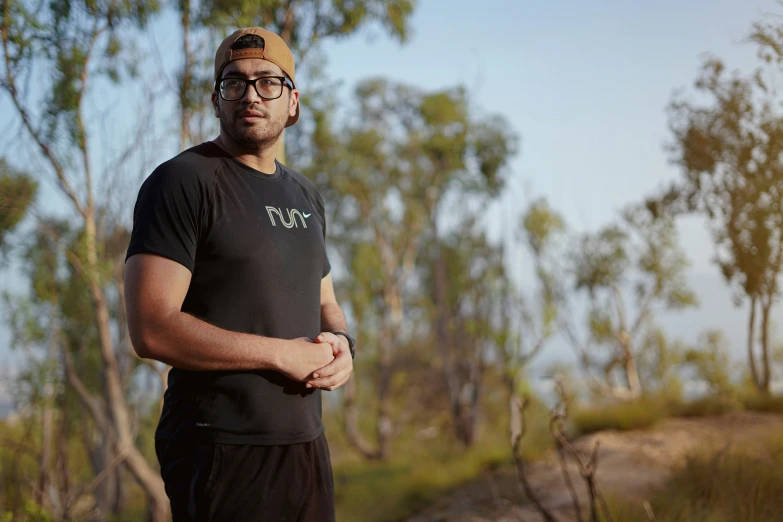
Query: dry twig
x,y
518,429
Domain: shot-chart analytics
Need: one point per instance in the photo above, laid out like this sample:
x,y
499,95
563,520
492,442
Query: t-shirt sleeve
x,y
168,215
320,203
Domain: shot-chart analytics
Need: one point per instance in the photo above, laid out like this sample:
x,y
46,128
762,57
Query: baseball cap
x,y
275,50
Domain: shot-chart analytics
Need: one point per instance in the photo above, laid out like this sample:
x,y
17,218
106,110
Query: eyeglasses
x,y
267,87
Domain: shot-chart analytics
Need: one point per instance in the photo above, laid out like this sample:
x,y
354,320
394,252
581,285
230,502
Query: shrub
x,y
622,416
705,406
763,403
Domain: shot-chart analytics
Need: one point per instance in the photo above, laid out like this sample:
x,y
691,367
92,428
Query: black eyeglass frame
x,y
284,82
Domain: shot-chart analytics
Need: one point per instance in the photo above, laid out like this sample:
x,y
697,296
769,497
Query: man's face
x,y
252,121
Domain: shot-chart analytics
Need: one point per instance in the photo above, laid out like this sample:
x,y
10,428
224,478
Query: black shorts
x,y
229,483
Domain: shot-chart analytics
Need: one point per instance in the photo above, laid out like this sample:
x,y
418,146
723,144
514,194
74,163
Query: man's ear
x,y
293,100
215,104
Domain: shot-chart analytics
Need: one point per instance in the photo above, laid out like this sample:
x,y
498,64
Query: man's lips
x,y
252,116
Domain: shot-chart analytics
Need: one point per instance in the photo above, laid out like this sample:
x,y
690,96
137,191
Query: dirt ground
x,y
630,465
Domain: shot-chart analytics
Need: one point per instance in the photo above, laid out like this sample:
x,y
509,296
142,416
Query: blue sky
x,y
585,84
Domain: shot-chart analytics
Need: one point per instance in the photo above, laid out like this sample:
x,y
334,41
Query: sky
x,y
584,84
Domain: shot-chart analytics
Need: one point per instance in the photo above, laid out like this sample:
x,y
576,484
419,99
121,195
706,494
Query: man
x,y
228,281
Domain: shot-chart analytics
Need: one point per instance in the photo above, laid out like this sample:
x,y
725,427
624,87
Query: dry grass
x,y
727,485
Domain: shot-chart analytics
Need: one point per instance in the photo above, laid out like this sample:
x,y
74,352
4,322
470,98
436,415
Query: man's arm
x,y
155,290
332,317
337,372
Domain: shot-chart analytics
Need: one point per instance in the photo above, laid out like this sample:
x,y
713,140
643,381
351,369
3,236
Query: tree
x,y
302,24
78,42
398,157
641,255
729,150
529,324
476,278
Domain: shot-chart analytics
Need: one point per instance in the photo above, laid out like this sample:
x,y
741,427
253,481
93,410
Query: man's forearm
x,y
183,341
332,318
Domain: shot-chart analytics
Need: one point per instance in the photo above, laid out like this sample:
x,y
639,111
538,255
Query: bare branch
x,y
83,143
586,469
89,401
118,459
518,429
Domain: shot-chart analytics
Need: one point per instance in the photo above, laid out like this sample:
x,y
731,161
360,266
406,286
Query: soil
x,y
631,464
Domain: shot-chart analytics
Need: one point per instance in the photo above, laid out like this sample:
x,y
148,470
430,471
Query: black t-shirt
x,y
255,244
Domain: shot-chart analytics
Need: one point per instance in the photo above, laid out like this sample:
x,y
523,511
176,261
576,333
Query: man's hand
x,y
302,357
337,372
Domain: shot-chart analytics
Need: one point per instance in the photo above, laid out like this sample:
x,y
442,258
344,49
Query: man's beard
x,y
253,137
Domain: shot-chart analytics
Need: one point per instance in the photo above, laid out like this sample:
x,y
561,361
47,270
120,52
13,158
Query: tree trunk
x,y
120,493
631,373
472,408
765,378
187,77
43,497
65,477
444,342
351,421
107,489
116,404
384,423
751,337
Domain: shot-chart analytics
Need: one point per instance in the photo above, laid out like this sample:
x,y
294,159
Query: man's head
x,y
254,114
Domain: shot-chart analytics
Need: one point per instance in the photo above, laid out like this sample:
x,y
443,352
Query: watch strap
x,y
351,343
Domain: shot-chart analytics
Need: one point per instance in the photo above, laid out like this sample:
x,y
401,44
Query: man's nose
x,y
251,94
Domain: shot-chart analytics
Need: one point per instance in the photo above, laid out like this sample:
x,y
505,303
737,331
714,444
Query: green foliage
x,y
531,326
601,259
639,256
729,151
660,363
540,225
64,37
304,23
711,362
17,193
729,485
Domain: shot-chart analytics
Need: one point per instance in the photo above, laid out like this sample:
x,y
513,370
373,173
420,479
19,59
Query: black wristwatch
x,y
351,343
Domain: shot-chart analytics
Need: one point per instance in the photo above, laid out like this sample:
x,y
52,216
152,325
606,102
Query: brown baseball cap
x,y
275,50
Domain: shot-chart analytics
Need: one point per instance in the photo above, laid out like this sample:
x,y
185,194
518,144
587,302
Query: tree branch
x,y
118,459
10,86
81,390
518,429
83,144
586,469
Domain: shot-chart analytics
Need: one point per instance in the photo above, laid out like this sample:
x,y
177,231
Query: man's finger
x,y
335,380
338,342
323,382
330,338
332,388
333,367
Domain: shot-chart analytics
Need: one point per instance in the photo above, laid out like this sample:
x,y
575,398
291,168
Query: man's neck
x,y
262,160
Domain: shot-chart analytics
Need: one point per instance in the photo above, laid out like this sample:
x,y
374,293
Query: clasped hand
x,y
337,372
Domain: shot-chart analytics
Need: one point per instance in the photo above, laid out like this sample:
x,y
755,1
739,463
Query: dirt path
x,y
630,464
